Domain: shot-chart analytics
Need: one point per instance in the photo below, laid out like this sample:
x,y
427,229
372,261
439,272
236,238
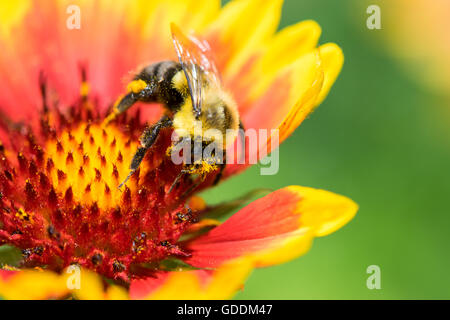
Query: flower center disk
x,y
90,162
61,203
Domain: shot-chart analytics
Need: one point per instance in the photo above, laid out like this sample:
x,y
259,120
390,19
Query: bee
x,y
194,102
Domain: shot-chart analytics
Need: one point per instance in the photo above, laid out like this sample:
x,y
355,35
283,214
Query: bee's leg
x,y
144,93
241,134
148,138
124,104
194,186
241,125
186,159
178,177
219,175
222,164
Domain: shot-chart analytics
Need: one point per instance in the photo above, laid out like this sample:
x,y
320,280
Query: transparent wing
x,y
197,63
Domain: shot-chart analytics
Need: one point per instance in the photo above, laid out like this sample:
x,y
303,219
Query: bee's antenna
x,y
194,186
126,179
176,180
241,133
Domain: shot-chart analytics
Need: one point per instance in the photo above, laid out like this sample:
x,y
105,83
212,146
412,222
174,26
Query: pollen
x,y
203,168
24,216
61,203
136,86
86,158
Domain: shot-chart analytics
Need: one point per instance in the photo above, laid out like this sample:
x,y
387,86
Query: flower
x,y
60,165
425,56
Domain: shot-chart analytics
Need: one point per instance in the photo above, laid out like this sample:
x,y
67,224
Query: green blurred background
x,y
382,140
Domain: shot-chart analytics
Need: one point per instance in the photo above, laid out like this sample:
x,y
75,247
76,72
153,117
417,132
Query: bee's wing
x,y
197,63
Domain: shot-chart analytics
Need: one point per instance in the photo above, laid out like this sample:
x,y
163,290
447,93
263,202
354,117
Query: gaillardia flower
x,y
60,165
424,57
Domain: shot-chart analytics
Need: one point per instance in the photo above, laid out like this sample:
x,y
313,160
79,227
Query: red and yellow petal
x,y
36,284
284,101
231,36
295,90
274,229
332,61
270,55
31,285
221,283
290,98
34,38
43,42
144,17
297,76
286,47
11,14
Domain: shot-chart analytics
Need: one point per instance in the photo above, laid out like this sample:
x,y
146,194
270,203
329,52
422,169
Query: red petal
x,y
5,275
221,283
273,229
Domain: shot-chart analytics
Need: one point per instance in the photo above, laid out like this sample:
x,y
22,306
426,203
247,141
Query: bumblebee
x,y
194,101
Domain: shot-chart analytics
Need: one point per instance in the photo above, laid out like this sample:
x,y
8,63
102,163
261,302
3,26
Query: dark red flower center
x,y
60,201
